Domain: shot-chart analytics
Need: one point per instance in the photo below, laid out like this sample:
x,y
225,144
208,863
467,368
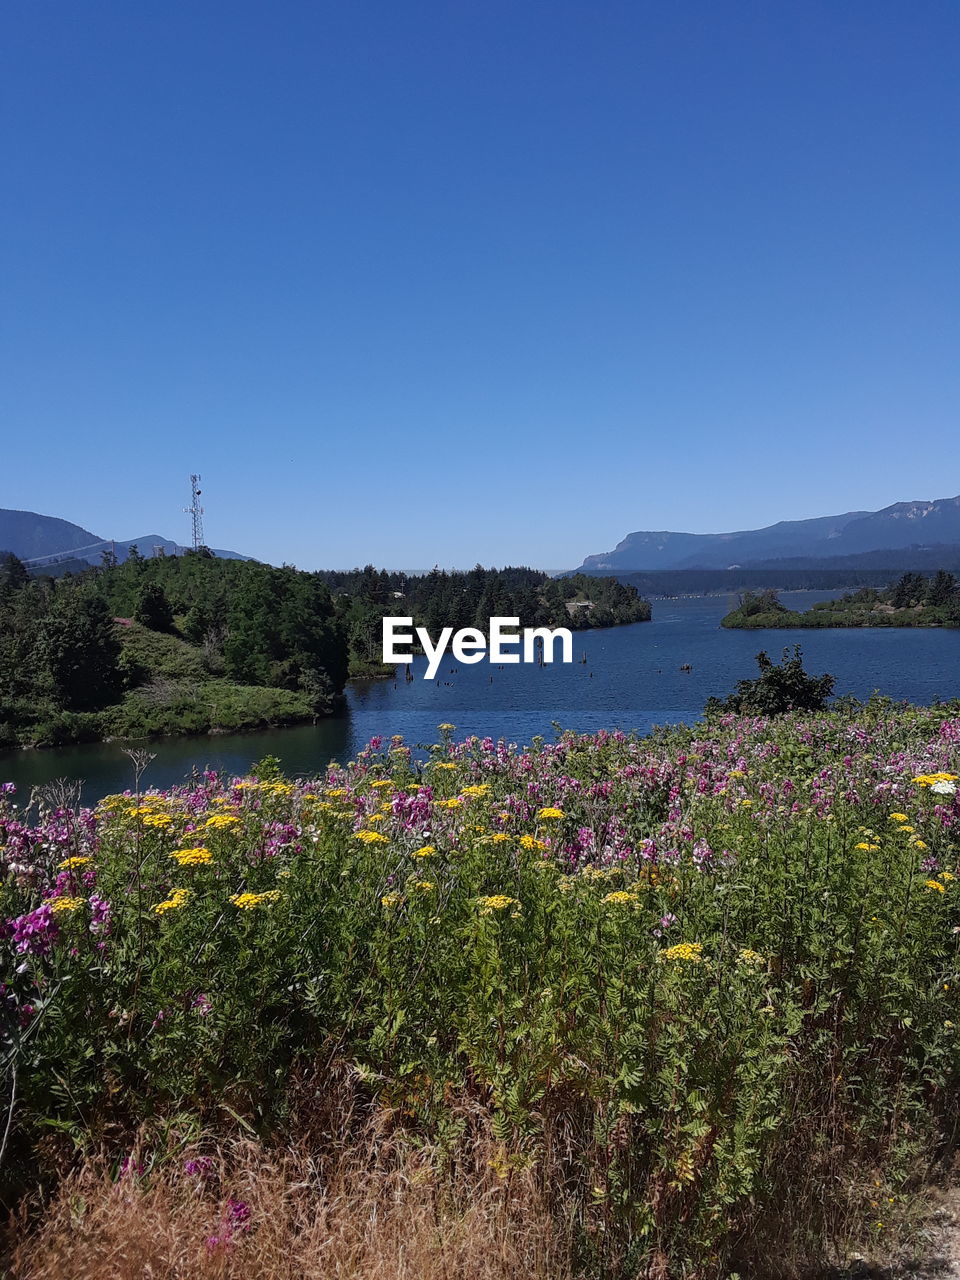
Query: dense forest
x,y
170,645
697,582
469,599
914,600
193,643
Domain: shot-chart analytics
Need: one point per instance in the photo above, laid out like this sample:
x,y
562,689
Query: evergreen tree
x,y
153,609
78,652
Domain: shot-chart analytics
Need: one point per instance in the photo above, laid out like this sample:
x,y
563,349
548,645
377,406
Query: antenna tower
x,y
195,511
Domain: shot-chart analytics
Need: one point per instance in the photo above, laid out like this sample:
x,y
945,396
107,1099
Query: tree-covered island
x,y
914,600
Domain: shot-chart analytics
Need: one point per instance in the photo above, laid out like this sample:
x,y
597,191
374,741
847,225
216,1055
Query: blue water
x,y
631,680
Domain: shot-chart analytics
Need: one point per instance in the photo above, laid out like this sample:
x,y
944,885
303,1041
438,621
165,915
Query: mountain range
x,y
901,527
32,536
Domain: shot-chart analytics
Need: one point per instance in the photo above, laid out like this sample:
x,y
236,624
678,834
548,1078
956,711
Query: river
x,y
631,679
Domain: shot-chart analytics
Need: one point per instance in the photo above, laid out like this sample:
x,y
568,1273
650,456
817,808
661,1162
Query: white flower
x,y
944,788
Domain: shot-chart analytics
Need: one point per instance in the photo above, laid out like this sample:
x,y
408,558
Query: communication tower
x,y
195,511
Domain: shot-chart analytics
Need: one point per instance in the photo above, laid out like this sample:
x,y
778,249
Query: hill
x,y
903,526
183,644
47,539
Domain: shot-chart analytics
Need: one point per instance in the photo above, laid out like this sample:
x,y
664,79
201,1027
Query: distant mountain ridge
x,y
32,536
902,525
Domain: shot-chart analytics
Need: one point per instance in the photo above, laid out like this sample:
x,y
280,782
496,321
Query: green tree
x,y
77,651
780,687
13,573
941,589
153,609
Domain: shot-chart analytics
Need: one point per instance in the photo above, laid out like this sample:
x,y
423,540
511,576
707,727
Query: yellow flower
x,y
620,896
453,803
337,792
444,764
247,901
500,837
550,812
376,817
870,848
427,851
176,899
935,884
479,789
58,905
947,875
531,842
391,900
753,959
70,864
688,952
192,857
497,902
161,820
899,817
919,844
425,886
371,837
220,821
382,782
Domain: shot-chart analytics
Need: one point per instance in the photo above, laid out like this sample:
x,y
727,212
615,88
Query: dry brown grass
x,y
383,1211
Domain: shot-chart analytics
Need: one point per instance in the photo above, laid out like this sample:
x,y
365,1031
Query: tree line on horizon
x,y
914,600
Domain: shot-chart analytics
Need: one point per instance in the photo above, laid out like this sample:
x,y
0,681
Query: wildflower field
x,y
683,1005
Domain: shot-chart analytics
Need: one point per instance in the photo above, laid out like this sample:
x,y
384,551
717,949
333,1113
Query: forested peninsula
x,y
194,643
914,600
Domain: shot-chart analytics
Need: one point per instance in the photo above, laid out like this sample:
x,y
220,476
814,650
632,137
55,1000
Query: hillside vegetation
x,y
913,601
193,643
179,645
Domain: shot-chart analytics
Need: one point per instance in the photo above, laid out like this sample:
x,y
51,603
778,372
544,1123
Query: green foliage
x,y
752,603
742,988
153,608
780,687
469,599
76,651
912,601
259,646
243,627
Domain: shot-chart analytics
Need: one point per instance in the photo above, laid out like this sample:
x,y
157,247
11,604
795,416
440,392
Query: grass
x,y
172,688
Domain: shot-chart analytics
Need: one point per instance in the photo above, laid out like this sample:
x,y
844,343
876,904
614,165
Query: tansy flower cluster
x,y
192,857
176,899
247,901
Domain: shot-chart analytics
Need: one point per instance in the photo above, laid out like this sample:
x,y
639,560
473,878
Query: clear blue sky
x,y
458,281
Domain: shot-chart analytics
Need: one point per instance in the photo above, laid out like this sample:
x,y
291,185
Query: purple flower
x,y
35,932
100,911
237,1217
